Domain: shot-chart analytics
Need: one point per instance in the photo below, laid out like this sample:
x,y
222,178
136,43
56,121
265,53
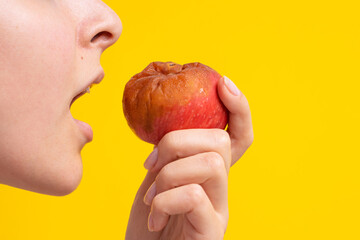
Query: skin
x,y
50,51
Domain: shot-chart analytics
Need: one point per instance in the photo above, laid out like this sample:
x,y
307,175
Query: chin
x,y
68,185
64,172
67,180
55,180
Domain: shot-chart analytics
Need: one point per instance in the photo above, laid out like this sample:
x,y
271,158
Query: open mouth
x,y
84,127
87,90
90,84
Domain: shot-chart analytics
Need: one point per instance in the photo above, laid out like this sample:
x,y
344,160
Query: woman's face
x,y
49,53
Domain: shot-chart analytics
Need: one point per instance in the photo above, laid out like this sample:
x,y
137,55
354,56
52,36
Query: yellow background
x,y
298,64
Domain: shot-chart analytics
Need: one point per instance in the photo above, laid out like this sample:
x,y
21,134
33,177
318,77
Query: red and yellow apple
x,y
166,96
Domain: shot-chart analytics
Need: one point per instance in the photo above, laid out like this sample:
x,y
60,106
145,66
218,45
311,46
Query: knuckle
x,y
167,139
164,177
249,140
170,141
196,195
215,162
156,203
222,138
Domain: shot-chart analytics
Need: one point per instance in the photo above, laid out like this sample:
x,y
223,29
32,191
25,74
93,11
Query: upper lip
x,y
82,91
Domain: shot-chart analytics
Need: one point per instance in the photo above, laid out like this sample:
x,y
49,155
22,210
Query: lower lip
x,y
85,129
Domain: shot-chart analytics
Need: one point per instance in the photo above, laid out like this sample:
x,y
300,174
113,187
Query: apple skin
x,y
166,96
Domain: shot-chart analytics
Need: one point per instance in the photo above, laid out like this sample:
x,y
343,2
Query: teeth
x,y
87,90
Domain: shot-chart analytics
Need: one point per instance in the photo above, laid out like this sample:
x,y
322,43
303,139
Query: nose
x,y
100,29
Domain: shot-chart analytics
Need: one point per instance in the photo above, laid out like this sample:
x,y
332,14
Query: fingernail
x,y
151,160
151,223
231,86
150,194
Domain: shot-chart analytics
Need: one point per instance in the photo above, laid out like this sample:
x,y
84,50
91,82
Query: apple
x,y
167,96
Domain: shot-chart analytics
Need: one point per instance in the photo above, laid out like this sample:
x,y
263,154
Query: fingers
x,y
190,200
185,143
240,126
205,169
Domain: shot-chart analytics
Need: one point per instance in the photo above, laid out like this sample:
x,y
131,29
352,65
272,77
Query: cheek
x,y
37,78
38,64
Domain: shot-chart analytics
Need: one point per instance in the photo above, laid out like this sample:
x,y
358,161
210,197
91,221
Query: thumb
x,y
240,125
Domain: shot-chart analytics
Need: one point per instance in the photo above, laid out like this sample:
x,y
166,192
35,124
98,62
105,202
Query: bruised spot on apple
x,y
166,96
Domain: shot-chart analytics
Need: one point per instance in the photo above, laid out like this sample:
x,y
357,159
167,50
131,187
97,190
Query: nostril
x,y
104,36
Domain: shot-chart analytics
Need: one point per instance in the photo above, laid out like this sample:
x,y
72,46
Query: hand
x,y
186,185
